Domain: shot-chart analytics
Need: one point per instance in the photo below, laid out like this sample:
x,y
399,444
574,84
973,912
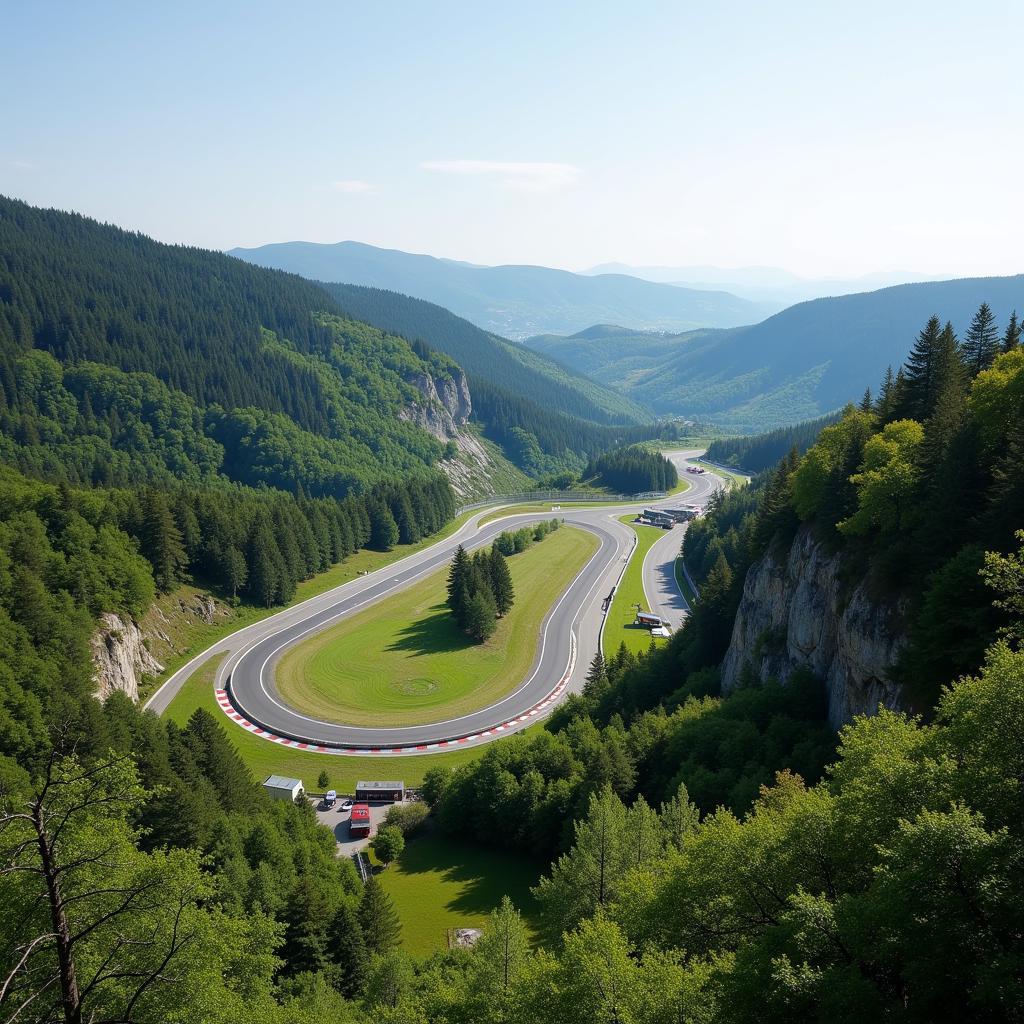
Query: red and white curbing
x,y
476,738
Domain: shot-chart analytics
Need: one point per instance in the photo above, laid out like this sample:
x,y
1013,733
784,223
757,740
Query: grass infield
x,y
619,627
404,661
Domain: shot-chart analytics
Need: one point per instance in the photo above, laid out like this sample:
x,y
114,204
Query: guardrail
x,y
567,496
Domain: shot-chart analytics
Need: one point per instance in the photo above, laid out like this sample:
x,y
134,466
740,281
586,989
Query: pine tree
x,y
383,528
347,949
1011,339
378,918
458,576
886,401
480,616
161,540
866,404
597,676
236,572
981,343
918,390
501,582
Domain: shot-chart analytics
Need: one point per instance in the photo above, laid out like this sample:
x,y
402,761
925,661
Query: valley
x,y
415,640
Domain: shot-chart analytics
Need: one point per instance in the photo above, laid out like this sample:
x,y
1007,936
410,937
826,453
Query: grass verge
x,y
439,883
550,509
684,583
265,758
619,627
404,661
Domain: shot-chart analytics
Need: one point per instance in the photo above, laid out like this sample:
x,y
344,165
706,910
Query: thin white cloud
x,y
524,176
353,186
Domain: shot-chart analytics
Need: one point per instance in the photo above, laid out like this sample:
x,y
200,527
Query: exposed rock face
x,y
445,407
120,657
795,612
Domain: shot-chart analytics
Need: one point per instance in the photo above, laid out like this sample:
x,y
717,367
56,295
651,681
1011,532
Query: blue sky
x,y
825,138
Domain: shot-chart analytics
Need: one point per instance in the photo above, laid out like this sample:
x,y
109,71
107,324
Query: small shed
x,y
279,787
380,792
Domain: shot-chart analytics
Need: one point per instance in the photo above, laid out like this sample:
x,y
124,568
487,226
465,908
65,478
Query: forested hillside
x,y
548,419
757,452
800,364
487,357
122,359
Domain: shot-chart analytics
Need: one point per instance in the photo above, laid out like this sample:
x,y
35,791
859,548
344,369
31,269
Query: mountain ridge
x,y
512,300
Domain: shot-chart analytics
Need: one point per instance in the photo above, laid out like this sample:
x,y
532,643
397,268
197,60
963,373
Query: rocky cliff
x,y
797,612
445,406
120,657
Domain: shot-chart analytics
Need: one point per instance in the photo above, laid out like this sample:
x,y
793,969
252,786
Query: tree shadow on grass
x,y
484,874
436,633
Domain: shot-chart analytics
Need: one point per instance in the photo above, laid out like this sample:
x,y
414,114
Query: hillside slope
x,y
123,360
799,364
513,301
488,357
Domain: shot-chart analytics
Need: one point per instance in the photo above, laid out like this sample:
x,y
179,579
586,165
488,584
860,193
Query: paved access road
x,y
569,637
660,585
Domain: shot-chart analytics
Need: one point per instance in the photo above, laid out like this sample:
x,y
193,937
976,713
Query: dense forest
x,y
758,452
546,418
633,470
715,857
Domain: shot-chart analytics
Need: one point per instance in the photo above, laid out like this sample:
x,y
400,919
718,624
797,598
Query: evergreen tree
x,y
981,343
383,528
501,582
458,577
1011,339
480,616
917,395
161,541
347,949
236,572
378,918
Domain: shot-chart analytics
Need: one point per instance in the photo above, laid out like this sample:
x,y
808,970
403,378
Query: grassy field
x,y
404,661
439,883
189,634
265,758
619,627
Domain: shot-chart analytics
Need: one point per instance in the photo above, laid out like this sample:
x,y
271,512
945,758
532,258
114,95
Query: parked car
x,y
346,805
330,798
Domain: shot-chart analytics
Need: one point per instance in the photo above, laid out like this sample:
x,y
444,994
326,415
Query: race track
x,y
569,636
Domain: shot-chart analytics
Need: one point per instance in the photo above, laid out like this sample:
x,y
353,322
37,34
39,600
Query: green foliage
x,y
887,481
634,470
408,818
388,843
762,451
380,924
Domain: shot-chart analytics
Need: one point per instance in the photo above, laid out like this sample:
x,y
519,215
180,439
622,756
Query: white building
x,y
280,788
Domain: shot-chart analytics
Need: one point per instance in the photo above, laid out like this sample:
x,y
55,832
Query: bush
x,y
407,817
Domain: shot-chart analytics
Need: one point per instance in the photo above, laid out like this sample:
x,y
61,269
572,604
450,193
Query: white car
x,y
346,805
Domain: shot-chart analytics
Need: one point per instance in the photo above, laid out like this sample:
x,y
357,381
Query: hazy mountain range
x,y
515,301
803,362
763,284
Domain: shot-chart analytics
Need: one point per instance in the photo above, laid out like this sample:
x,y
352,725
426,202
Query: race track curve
x,y
569,636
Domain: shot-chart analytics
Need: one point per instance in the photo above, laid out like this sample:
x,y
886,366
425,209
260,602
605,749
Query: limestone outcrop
x,y
796,611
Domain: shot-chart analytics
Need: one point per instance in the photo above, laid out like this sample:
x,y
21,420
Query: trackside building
x,y
280,787
380,792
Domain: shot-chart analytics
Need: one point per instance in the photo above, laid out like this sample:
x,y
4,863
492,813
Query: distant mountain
x,y
799,364
514,301
763,284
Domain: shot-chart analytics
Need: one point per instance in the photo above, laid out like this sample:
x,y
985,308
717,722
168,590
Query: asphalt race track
x,y
569,636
